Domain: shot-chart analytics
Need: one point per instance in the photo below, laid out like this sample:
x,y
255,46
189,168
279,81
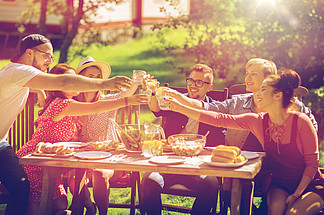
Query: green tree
x,y
73,13
225,34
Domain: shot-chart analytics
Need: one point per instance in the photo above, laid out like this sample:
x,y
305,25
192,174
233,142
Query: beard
x,y
38,66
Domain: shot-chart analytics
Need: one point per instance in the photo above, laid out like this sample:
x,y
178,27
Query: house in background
x,y
109,20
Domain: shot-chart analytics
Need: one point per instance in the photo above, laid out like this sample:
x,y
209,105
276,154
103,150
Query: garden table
x,y
136,162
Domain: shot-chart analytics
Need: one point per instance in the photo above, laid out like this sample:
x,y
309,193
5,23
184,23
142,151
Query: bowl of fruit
x,y
187,144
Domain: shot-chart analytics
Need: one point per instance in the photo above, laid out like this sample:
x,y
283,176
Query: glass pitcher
x,y
152,143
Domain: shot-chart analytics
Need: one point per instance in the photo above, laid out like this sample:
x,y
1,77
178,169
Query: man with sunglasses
x,y
200,81
27,73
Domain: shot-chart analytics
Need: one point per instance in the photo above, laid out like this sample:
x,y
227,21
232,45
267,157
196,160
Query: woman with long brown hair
x,y
58,122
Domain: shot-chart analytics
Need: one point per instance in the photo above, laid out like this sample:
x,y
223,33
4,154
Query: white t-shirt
x,y
13,94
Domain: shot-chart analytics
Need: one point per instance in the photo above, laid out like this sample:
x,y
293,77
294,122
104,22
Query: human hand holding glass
x,y
138,99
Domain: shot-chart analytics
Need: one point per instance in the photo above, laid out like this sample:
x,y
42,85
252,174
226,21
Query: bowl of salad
x,y
187,144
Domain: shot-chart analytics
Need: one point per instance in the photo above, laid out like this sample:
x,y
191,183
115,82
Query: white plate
x,y
72,144
93,155
250,155
167,160
207,161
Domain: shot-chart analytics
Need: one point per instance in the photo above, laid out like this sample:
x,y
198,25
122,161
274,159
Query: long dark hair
x,y
285,82
59,69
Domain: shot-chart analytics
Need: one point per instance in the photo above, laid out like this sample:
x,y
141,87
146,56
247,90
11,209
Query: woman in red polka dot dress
x,y
58,123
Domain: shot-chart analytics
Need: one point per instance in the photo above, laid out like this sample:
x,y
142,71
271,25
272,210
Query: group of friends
x,y
268,119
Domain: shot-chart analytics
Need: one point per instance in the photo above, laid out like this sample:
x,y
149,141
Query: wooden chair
x,y
241,89
20,133
178,189
23,128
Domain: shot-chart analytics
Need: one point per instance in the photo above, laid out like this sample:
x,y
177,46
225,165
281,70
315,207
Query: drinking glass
x,y
161,95
138,76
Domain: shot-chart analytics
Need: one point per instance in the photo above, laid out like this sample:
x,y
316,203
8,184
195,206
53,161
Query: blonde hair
x,y
268,67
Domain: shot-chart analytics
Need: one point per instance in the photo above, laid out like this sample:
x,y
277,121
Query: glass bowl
x,y
187,144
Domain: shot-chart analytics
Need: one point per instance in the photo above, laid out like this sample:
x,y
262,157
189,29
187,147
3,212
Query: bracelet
x,y
126,101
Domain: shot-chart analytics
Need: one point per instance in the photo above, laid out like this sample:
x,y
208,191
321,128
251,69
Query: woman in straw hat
x,y
97,127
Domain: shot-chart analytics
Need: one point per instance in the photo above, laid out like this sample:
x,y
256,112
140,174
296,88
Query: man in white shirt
x,y
27,72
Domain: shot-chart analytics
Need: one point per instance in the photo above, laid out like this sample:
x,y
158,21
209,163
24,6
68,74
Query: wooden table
x,y
136,162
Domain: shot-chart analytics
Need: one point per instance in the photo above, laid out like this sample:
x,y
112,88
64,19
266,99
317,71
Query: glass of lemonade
x,y
162,94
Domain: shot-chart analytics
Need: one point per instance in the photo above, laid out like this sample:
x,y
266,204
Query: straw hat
x,y
89,61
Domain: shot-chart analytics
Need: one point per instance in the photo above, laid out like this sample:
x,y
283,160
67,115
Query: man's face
x,y
199,92
43,56
254,77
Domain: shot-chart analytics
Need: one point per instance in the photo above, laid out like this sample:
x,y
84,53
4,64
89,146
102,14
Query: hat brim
x,y
15,58
103,66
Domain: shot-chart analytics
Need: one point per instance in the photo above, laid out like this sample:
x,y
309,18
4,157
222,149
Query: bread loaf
x,y
227,154
239,159
49,148
220,159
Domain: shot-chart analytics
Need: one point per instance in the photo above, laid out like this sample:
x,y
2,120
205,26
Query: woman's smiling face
x,y
265,97
91,72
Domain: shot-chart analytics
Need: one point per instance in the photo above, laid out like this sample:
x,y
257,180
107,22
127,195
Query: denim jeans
x,y
152,184
13,177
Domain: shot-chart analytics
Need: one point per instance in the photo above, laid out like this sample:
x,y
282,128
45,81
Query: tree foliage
x,y
225,34
74,14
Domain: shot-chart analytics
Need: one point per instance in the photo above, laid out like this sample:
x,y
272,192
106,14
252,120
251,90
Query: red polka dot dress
x,y
48,131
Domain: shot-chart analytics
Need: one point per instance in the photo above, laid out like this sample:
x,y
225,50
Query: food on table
x,y
152,148
166,146
102,146
50,148
187,144
227,154
132,136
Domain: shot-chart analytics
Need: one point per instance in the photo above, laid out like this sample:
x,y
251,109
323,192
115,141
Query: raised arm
x,y
85,108
194,103
73,83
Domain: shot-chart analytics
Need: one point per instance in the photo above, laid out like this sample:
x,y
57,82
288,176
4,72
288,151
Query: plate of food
x,y
93,155
72,144
250,155
167,160
52,155
208,161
